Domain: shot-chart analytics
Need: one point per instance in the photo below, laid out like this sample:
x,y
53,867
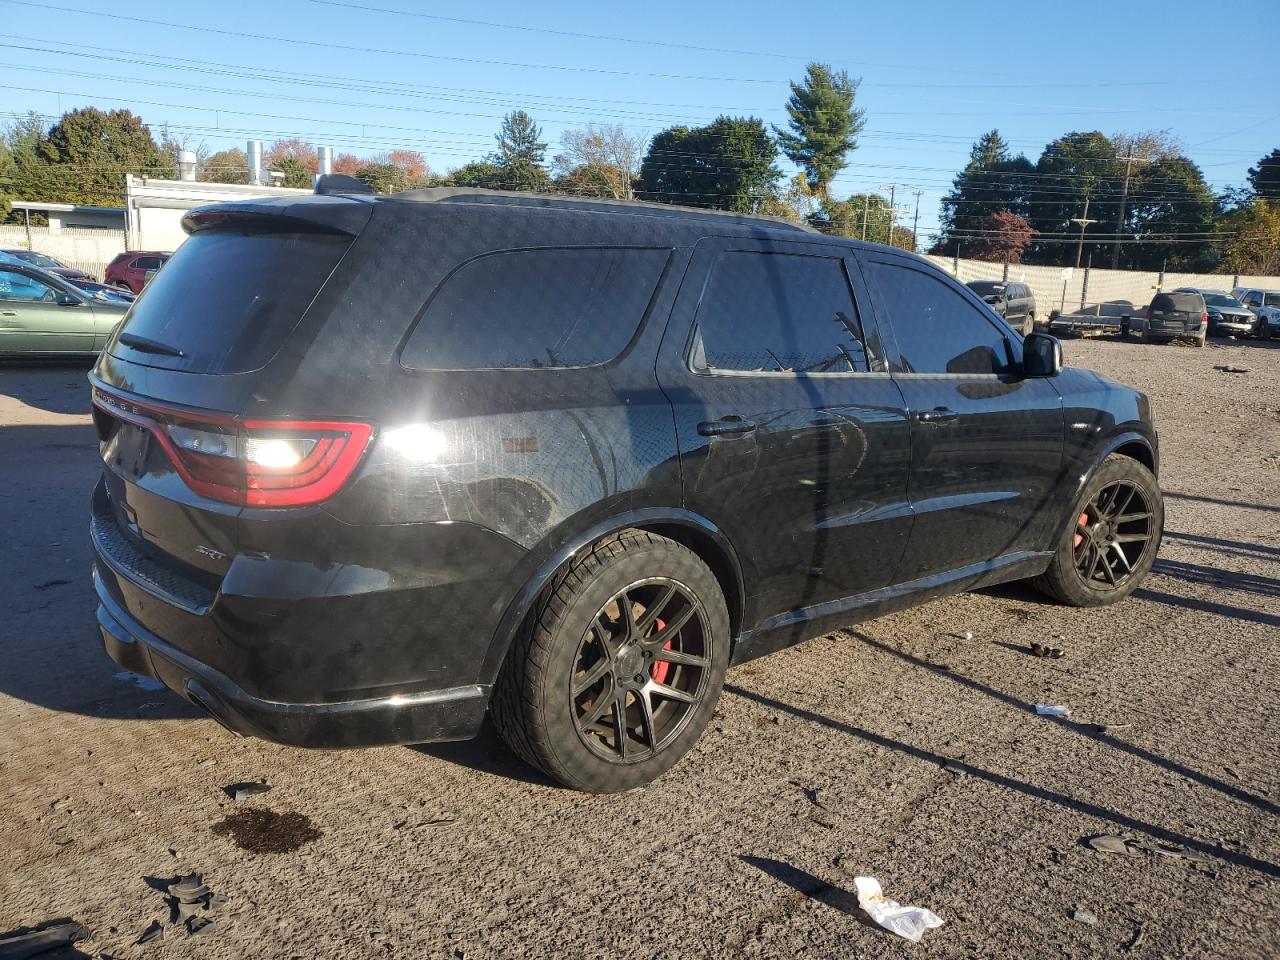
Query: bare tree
x,y
603,155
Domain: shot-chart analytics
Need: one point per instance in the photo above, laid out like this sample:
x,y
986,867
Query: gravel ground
x,y
824,762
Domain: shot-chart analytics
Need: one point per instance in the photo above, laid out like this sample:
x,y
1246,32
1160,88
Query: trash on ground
x,y
968,634
1084,916
909,922
1110,843
153,931
1227,368
1046,710
189,889
198,925
1138,936
239,792
1044,650
33,942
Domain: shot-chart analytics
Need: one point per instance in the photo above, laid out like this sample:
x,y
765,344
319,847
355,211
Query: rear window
x,y
986,288
228,299
545,307
1181,302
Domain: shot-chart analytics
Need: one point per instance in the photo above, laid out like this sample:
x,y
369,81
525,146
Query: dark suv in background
x,y
1010,299
374,467
1181,314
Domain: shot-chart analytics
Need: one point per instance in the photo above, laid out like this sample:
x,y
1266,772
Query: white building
x,y
154,208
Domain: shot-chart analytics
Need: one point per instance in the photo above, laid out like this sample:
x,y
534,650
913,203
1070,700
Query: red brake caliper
x,y
661,668
1079,537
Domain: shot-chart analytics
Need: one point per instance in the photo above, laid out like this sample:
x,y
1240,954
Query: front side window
x,y
18,286
937,330
545,307
779,313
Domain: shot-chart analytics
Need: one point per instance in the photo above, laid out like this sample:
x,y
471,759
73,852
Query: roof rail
x,y
590,204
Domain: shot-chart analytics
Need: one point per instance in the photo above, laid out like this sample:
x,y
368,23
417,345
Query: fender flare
x,y
1123,438
522,603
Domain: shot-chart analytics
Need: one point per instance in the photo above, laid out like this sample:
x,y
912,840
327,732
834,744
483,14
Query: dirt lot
x,y
825,762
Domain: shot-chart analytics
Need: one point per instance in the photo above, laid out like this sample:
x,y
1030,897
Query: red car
x,y
131,269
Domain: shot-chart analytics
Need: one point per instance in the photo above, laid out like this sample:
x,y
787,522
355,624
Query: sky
x,y
366,76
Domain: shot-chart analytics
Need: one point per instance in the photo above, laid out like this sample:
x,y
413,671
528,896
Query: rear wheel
x,y
617,672
1111,537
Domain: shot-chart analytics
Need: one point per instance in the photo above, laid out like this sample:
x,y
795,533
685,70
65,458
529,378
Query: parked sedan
x,y
48,264
105,291
134,269
1227,315
42,314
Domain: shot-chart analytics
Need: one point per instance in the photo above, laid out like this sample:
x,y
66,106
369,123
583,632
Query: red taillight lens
x,y
1204,319
260,463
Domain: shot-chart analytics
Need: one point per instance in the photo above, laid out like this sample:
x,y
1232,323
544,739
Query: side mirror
x,y
67,300
1041,355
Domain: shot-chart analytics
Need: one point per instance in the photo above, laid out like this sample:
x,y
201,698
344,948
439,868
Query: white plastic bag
x,y
909,922
1049,710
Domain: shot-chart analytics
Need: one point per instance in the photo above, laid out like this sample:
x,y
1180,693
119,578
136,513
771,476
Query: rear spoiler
x,y
313,214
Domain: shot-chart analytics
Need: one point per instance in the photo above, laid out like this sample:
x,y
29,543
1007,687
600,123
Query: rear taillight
x,y
258,463
1204,319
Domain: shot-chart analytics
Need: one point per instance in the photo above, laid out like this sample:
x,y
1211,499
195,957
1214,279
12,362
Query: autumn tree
x,y
1255,247
293,157
730,164
601,160
1002,237
1265,177
226,166
410,163
824,125
348,164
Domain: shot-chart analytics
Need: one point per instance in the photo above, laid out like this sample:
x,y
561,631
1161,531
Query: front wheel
x,y
618,669
1110,539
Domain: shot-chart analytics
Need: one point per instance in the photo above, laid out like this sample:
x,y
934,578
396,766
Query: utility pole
x,y
1124,195
1084,222
866,212
916,222
893,193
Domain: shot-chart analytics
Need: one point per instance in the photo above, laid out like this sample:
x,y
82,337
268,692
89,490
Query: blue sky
x,y
360,79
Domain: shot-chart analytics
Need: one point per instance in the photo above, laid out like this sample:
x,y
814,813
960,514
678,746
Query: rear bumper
x,y
454,713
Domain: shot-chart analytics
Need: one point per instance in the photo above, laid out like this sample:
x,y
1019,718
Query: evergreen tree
x,y
993,181
520,153
824,125
729,164
1265,177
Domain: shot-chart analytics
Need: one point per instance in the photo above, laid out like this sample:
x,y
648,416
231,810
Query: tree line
x,y
1138,189
1131,201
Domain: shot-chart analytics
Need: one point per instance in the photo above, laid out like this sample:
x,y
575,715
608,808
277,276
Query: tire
x,y
579,627
1065,580
1030,325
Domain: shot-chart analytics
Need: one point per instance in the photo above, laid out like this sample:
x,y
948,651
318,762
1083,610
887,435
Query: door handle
x,y
726,427
8,313
938,415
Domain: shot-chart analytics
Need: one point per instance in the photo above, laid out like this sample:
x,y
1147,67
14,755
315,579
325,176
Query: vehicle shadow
x,y
1242,548
33,383
486,754
1075,726
1218,578
1086,807
1170,495
1208,606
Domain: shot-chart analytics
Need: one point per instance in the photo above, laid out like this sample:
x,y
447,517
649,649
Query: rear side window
x,y
228,299
778,313
937,330
545,307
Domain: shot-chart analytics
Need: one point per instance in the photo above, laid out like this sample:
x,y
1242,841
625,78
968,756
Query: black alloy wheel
x,y
641,670
1113,533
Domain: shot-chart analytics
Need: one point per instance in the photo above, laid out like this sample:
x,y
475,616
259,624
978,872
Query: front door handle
x,y
8,313
726,427
938,415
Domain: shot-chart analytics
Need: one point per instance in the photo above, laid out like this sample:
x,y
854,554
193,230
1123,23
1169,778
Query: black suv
x,y
1011,300
374,467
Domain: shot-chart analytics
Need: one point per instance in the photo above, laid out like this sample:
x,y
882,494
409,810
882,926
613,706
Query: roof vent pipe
x,y
324,161
254,155
186,166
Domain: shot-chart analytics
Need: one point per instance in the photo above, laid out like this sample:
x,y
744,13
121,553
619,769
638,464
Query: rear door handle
x,y
726,427
938,415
